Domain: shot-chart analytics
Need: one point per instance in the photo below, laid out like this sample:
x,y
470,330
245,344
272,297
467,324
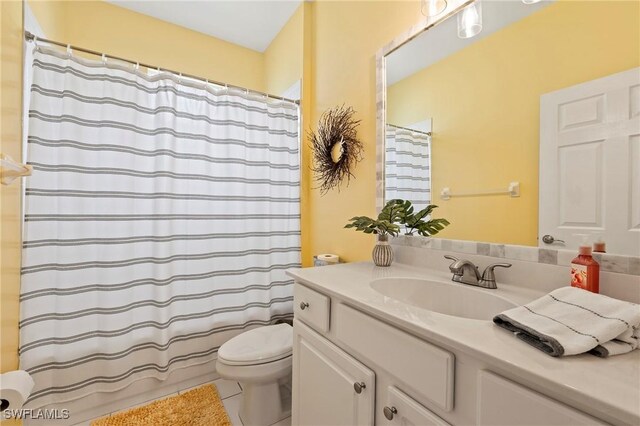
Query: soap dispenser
x,y
585,271
599,245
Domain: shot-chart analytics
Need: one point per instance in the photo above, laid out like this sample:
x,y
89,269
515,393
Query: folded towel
x,y
571,321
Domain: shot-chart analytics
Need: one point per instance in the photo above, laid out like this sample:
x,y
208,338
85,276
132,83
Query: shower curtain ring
x,y
69,49
104,58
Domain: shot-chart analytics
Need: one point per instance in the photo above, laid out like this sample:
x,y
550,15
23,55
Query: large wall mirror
x,y
531,127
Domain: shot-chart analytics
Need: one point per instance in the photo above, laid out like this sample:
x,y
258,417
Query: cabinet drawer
x,y
503,402
406,411
311,307
424,369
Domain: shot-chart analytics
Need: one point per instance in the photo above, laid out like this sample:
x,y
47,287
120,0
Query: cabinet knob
x,y
389,412
304,305
359,386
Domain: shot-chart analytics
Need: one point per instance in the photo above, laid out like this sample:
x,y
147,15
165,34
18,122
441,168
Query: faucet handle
x,y
453,258
489,275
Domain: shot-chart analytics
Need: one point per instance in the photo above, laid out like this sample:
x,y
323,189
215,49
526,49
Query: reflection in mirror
x,y
547,96
432,7
407,165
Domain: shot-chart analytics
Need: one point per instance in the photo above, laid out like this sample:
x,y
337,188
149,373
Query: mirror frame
x,y
548,255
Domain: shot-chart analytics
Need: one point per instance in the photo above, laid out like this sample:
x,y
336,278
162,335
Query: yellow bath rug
x,y
197,407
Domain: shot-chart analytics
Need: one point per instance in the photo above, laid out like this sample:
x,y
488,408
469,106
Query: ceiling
x,y
249,23
441,41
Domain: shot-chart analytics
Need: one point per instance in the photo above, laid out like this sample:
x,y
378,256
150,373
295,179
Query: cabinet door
x,y
324,378
403,410
504,403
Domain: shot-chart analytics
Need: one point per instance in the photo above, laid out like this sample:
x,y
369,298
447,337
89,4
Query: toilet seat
x,y
258,346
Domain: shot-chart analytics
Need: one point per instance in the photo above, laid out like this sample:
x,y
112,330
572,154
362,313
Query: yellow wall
x,y
10,143
283,58
103,27
306,106
484,101
345,38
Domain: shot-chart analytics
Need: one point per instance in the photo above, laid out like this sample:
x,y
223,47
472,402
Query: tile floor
x,y
230,393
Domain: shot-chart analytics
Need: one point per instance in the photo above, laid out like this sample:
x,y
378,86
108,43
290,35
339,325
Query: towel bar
x,y
513,190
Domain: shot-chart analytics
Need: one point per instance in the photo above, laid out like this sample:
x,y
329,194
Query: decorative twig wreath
x,y
336,148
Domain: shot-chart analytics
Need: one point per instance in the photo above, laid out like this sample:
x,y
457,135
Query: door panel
x,y
580,184
323,383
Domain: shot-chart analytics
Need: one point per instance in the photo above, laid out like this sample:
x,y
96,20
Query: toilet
x,y
260,359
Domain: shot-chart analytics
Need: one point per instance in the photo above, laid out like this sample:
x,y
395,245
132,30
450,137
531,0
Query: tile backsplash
x,y
608,262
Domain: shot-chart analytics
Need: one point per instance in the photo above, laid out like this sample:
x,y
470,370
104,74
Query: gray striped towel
x,y
570,321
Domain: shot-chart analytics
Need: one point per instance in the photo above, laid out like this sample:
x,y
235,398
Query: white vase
x,y
382,252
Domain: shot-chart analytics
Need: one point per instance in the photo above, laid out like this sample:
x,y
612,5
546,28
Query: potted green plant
x,y
417,222
395,213
385,225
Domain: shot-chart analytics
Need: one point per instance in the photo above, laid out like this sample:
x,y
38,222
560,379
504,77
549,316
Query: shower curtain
x,y
159,220
408,166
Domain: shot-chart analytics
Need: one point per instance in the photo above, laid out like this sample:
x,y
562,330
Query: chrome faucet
x,y
465,272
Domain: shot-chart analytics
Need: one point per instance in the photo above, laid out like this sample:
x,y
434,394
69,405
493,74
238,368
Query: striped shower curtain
x,y
159,221
407,166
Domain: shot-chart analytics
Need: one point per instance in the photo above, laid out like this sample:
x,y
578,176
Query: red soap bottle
x,y
585,271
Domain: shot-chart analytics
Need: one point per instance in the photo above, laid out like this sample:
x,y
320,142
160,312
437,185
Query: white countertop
x,y
607,388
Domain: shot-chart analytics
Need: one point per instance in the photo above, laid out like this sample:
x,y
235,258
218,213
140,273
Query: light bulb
x,y
470,20
530,1
432,7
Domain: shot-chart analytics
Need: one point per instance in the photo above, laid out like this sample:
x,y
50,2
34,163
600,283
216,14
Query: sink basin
x,y
458,300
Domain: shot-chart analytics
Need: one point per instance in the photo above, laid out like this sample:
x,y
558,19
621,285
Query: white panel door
x,y
325,379
590,162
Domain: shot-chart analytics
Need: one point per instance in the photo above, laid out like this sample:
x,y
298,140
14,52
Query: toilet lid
x,y
258,346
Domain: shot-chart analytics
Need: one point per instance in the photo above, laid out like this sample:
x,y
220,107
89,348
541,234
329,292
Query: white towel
x,y
570,321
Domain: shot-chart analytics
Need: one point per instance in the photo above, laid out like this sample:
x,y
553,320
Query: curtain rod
x,y
31,37
411,130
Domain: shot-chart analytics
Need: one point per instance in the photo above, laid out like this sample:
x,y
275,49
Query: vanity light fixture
x,y
470,20
531,1
432,7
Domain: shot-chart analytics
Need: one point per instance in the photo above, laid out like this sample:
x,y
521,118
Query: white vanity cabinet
x,y
350,368
332,385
